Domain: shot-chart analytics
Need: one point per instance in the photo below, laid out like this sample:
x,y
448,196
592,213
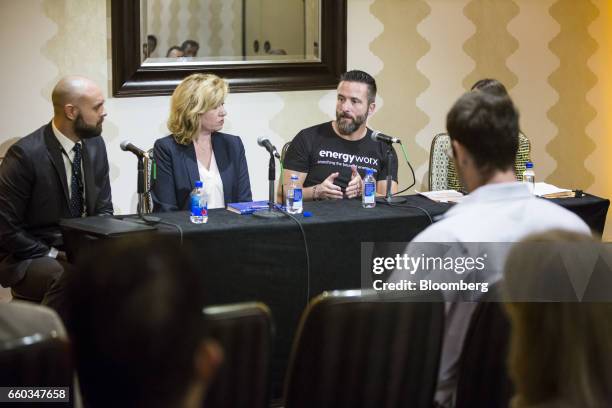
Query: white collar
x,y
63,140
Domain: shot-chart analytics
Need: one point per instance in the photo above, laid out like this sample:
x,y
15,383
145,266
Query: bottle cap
x,y
369,172
294,177
199,184
307,214
529,165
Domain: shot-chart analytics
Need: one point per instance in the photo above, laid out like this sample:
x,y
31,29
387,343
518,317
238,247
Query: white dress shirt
x,y
213,185
501,212
68,157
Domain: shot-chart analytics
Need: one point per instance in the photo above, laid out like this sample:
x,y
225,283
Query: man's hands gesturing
x,y
354,186
327,189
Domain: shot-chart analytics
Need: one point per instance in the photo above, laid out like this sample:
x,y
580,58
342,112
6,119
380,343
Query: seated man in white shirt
x,y
484,131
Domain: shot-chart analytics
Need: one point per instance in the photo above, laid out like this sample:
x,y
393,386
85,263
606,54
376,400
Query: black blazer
x,y
34,196
177,171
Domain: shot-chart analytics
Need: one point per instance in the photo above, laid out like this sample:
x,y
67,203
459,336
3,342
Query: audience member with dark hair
x,y
174,52
190,48
136,325
493,87
483,130
560,352
330,159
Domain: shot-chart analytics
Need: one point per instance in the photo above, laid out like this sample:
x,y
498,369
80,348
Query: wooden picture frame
x,y
131,78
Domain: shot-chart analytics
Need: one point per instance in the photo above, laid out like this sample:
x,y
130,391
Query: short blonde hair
x,y
195,95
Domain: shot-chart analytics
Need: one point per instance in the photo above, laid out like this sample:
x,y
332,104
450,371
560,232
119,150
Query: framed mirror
x,y
257,45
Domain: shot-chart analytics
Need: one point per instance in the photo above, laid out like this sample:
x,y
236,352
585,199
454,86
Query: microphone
x,y
379,137
128,147
269,146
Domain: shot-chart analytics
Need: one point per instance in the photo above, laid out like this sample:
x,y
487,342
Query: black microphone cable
x,y
409,206
178,228
294,218
411,170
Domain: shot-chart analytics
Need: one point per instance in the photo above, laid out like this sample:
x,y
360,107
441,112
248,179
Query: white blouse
x,y
213,185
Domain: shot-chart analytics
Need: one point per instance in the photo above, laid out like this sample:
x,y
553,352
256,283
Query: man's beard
x,y
350,126
85,131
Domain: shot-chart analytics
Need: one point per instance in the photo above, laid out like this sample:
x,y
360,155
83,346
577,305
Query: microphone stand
x,y
146,219
389,199
271,212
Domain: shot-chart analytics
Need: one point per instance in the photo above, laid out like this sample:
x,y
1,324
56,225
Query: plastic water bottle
x,y
529,176
368,199
199,204
294,196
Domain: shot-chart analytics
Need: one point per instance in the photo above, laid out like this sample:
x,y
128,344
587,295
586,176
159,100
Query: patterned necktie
x,y
76,184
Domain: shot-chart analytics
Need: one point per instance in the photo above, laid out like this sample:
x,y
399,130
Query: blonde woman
x,y
197,150
561,352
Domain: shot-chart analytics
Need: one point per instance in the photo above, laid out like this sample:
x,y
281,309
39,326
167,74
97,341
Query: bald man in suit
x,y
58,171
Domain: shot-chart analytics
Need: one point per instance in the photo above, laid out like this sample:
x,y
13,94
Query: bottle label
x,y
369,191
196,206
297,194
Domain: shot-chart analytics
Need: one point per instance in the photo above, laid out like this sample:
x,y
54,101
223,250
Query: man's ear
x,y
208,357
71,111
371,108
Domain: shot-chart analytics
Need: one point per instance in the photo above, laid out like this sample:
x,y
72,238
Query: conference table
x,y
274,261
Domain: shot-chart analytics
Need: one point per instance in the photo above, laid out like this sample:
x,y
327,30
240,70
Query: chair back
x,y
358,349
440,165
523,155
483,379
438,162
284,150
36,361
244,331
150,175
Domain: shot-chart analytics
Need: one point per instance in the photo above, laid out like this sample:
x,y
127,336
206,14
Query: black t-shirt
x,y
319,151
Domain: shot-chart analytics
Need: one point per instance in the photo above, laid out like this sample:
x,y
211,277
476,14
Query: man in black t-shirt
x,y
330,159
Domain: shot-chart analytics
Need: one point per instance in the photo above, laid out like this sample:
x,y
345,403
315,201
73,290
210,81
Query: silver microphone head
x,y
374,135
263,142
129,147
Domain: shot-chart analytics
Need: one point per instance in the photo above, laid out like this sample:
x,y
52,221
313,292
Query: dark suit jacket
x,y
177,171
34,196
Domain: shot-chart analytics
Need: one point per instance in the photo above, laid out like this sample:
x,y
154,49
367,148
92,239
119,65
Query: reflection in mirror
x,y
192,32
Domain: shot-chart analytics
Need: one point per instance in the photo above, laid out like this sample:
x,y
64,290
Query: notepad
x,y
443,196
248,207
551,191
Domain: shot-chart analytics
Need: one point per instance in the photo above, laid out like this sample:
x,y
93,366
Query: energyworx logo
x,y
348,158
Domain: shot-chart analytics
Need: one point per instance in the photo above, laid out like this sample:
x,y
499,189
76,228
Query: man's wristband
x,y
314,193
